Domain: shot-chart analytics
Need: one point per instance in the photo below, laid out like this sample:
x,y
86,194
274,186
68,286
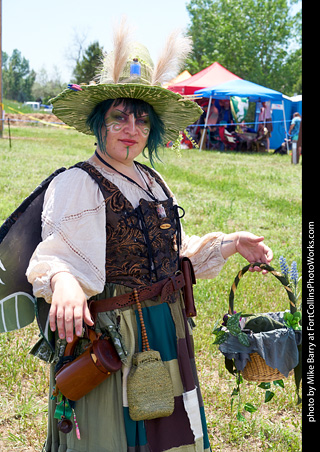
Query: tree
x,y
17,77
45,88
86,66
252,38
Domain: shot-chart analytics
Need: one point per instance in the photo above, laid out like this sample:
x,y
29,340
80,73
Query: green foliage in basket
x,y
292,320
230,325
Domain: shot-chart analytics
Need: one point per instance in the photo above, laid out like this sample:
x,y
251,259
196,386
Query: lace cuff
x,y
40,278
41,274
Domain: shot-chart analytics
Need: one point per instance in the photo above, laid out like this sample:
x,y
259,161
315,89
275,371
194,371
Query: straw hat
x,y
129,72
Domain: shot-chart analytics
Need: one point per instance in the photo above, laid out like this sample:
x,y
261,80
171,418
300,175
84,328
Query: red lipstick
x,y
128,142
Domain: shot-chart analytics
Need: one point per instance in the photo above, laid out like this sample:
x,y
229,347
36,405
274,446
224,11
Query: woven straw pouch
x,y
149,386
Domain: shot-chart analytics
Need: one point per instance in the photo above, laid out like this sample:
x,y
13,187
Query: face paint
x,y
114,122
117,119
143,124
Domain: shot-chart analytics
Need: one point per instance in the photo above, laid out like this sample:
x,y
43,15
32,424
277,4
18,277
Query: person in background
x,y
266,120
295,126
225,114
299,142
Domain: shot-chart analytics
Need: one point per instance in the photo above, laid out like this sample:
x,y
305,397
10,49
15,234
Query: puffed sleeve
x,y
204,253
73,235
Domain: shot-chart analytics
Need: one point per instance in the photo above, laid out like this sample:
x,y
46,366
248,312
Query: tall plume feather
x,y
174,53
114,62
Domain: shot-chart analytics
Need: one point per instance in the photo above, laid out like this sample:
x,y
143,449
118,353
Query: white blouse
x,y
74,233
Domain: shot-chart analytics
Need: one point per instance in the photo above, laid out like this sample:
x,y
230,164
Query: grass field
x,y
220,191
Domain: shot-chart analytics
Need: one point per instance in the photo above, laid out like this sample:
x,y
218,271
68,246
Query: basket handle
x,y
267,267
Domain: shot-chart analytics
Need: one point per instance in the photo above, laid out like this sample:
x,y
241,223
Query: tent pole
x,y
285,125
205,124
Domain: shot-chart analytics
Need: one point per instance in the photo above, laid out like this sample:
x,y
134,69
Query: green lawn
x,y
220,191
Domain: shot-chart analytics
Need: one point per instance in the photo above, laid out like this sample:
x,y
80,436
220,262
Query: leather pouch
x,y
190,279
78,377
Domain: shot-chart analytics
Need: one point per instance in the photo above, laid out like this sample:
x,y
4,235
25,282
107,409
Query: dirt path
x,y
31,117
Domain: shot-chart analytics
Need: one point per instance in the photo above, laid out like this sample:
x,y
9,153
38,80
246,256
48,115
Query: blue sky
x,y
44,30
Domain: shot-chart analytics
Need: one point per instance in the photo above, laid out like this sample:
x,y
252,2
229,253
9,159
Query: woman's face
x,y
127,135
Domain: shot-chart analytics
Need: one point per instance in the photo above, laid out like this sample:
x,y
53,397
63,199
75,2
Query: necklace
x,y
161,212
148,191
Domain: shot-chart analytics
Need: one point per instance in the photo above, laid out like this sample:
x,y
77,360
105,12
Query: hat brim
x,y
177,113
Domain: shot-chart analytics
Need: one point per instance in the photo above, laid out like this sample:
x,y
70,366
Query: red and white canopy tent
x,y
212,75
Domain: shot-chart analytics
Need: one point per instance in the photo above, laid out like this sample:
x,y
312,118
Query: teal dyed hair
x,y
138,107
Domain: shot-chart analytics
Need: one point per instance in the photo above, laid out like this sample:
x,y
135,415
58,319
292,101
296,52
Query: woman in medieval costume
x,y
111,227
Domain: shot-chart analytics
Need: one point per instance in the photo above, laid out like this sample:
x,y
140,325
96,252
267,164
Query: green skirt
x,y
103,415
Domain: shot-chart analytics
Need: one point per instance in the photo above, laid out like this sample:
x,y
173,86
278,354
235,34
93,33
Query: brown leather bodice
x,y
139,252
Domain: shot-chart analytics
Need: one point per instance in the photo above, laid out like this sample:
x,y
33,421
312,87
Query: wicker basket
x,y
256,369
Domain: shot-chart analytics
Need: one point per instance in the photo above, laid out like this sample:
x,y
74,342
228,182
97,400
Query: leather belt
x,y
163,288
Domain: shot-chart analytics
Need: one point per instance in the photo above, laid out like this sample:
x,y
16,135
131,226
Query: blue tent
x,y
241,88
296,104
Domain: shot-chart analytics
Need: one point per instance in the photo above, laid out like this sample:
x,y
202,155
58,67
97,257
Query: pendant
x,y
63,412
65,425
161,212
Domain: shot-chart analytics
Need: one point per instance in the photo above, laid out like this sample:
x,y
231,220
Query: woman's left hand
x,y
250,246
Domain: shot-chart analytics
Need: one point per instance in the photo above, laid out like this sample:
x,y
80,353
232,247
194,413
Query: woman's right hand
x,y
69,308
